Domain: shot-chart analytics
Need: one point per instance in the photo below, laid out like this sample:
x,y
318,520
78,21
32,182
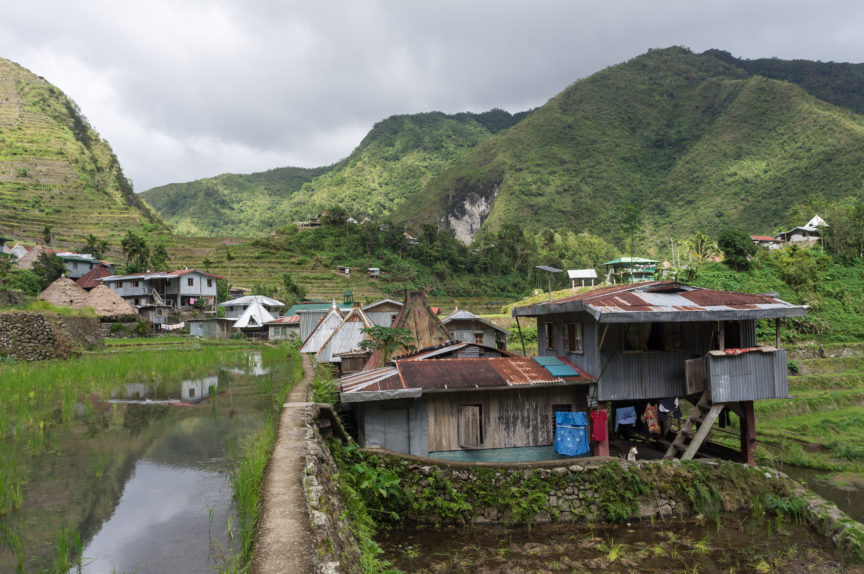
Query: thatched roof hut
x,y
26,261
107,303
64,293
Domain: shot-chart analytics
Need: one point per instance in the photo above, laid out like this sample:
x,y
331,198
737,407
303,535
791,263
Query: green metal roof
x,y
629,260
316,306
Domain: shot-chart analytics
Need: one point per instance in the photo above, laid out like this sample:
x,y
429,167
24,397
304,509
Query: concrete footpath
x,y
285,540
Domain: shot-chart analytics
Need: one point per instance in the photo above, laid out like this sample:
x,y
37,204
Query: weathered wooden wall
x,y
510,418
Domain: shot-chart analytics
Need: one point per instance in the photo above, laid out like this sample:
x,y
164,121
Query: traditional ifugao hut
x,y
415,316
109,306
64,293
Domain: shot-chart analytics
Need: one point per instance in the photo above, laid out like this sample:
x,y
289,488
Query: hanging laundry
x,y
669,407
649,417
625,416
598,425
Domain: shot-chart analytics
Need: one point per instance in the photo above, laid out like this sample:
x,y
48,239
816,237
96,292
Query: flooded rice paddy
x,y
733,544
137,480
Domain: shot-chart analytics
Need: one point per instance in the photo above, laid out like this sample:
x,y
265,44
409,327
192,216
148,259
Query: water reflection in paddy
x,y
140,476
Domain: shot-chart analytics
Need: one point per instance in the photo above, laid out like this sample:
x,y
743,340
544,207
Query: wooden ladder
x,y
704,414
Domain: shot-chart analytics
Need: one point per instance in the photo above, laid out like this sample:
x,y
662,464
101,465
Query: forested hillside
x,y
55,170
684,141
390,166
679,141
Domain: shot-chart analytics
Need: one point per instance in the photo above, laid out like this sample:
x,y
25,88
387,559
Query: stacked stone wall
x,y
37,336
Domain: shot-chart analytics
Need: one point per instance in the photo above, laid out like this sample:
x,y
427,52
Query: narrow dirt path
x,y
284,543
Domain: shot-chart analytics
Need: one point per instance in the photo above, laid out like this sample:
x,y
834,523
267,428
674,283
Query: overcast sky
x,y
188,89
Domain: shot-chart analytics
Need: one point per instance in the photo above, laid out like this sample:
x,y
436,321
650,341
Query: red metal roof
x,y
181,272
762,238
89,280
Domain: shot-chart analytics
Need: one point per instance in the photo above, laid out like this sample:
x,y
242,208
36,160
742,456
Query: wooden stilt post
x,y
777,332
748,433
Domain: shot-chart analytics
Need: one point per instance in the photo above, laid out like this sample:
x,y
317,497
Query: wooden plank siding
x,y
508,418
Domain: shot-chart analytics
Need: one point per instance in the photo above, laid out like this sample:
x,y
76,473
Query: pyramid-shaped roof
x,y
64,293
346,337
322,330
107,303
255,315
417,317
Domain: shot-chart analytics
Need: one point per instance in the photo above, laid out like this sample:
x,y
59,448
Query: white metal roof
x,y
582,274
322,331
262,299
346,337
254,316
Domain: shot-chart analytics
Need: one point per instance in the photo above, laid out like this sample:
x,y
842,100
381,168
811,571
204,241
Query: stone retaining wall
x,y
594,489
336,548
37,336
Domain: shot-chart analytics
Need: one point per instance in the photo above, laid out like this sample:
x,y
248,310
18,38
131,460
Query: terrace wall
x,y
36,336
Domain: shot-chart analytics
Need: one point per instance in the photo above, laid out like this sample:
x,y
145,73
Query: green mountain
x,y
230,204
687,141
55,170
390,166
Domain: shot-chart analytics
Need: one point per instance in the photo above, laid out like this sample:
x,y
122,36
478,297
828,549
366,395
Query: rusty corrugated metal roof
x,y
455,374
676,301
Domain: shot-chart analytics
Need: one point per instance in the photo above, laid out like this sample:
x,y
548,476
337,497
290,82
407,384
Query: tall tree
x,y
137,252
737,247
159,258
94,246
48,267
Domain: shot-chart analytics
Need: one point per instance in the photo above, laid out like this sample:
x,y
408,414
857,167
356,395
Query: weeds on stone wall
x,y
369,497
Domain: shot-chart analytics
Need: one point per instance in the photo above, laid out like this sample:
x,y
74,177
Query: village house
x,y
249,315
182,289
79,264
664,340
630,270
468,327
345,341
284,328
808,233
322,330
459,401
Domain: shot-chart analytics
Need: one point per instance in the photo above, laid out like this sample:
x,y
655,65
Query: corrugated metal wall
x,y
308,321
383,319
748,377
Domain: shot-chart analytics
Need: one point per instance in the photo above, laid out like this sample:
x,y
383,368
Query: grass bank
x,y
247,475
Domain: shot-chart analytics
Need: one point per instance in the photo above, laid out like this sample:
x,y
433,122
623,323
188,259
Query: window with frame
x,y
74,265
471,425
209,283
478,338
118,284
573,337
135,284
190,282
549,335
